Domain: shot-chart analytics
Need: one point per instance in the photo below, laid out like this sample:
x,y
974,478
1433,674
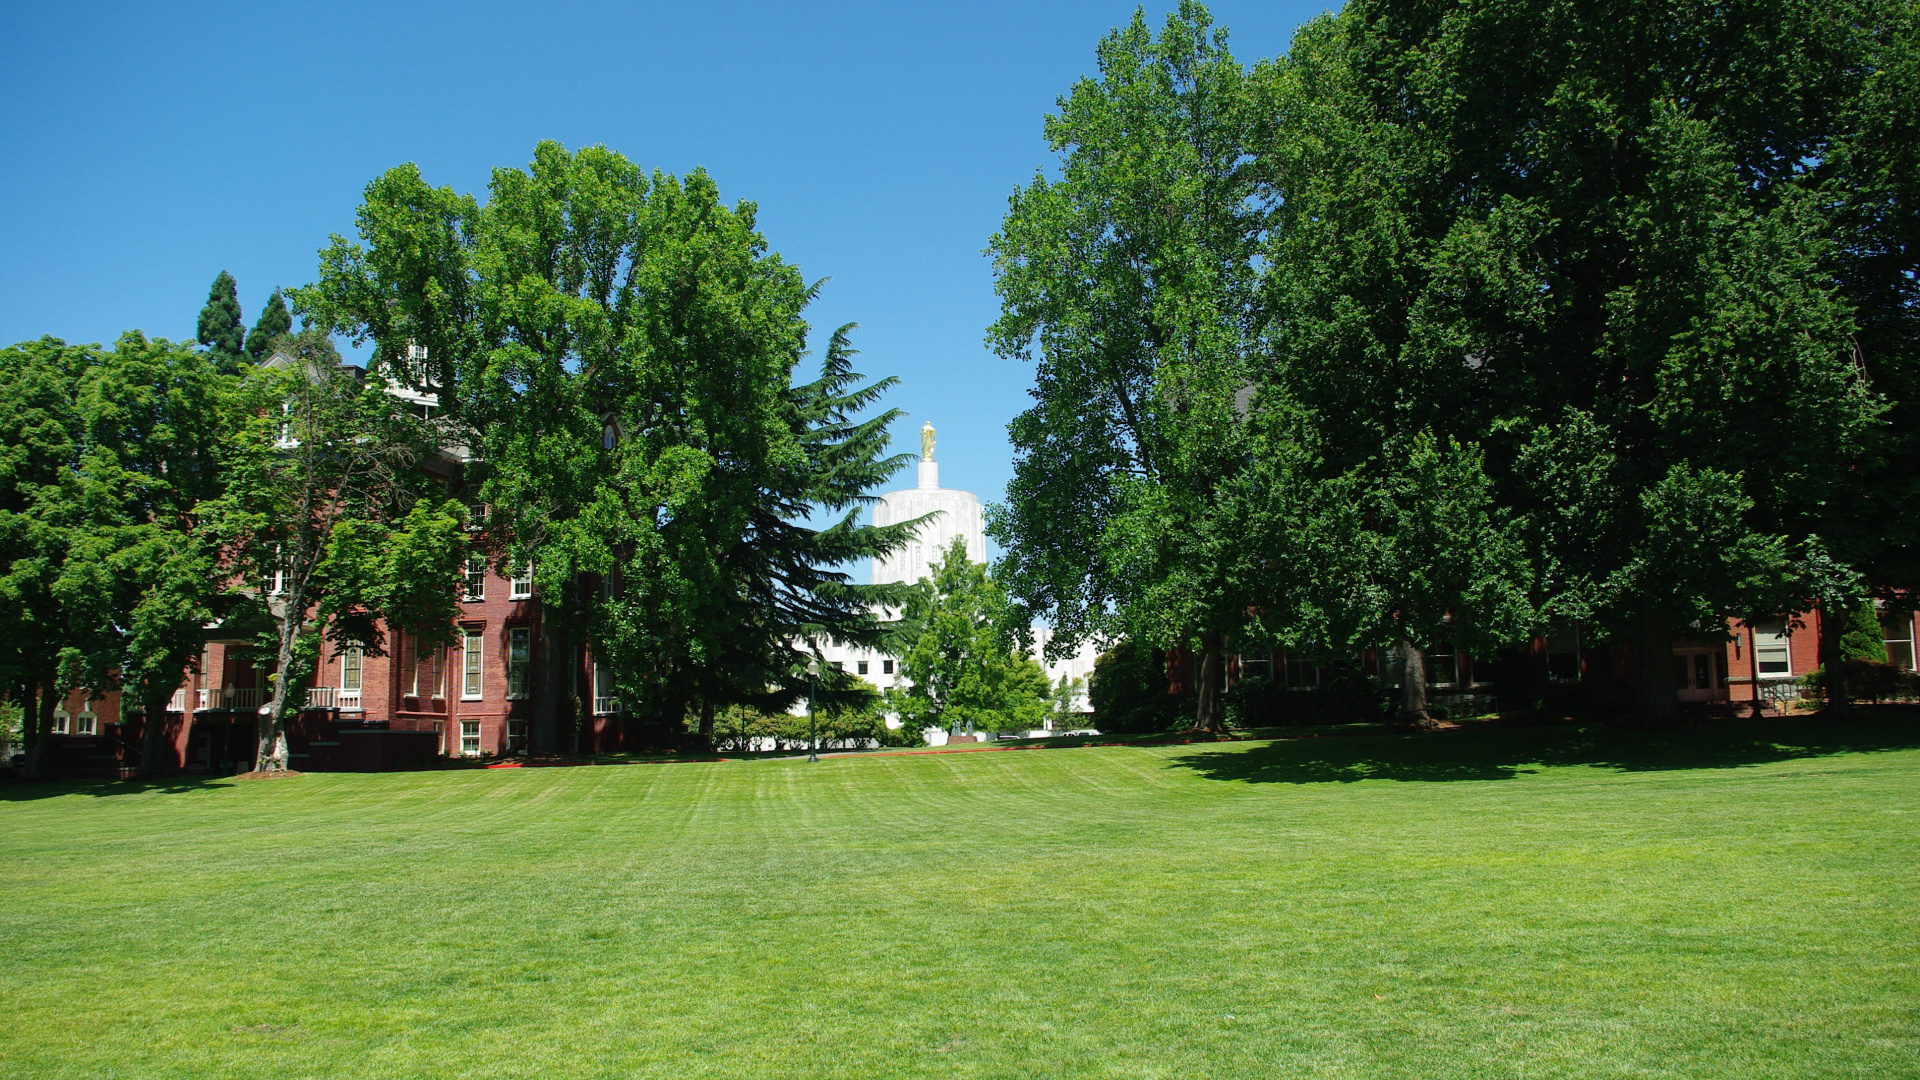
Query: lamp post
x,y
813,737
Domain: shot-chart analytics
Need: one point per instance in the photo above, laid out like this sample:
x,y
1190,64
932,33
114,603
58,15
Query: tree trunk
x,y
42,719
706,724
1656,705
32,735
550,685
153,725
48,702
1753,671
1832,625
1208,716
1413,685
271,753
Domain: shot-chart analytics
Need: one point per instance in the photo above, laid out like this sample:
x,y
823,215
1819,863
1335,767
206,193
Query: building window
x,y
605,703
1563,654
429,672
863,667
60,722
521,587
518,640
1898,631
608,436
350,669
1256,666
1302,673
516,736
476,579
1443,664
86,724
475,649
469,738
886,667
1770,649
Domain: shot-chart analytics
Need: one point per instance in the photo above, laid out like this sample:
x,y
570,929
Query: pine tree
x,y
221,328
275,323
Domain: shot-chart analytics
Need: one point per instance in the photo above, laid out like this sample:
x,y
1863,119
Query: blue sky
x,y
148,147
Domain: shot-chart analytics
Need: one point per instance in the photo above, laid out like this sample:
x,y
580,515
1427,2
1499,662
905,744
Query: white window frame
x,y
87,723
886,667
470,743
62,723
475,587
473,659
516,736
352,667
605,702
520,586
1773,638
1906,643
519,653
860,667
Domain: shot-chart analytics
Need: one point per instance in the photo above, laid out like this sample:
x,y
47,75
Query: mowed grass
x,y
1734,901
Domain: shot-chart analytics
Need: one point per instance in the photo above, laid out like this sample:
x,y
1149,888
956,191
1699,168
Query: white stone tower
x,y
956,513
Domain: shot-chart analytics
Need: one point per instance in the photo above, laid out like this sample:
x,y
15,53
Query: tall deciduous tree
x,y
330,522
41,433
956,669
222,330
140,572
620,348
1590,241
1131,282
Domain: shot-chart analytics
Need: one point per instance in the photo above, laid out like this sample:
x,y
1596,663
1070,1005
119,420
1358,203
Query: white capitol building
x,y
955,514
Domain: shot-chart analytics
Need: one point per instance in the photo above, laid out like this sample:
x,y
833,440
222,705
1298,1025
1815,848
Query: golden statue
x,y
926,441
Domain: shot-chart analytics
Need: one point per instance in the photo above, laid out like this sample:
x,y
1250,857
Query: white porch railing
x,y
178,702
332,697
605,706
231,697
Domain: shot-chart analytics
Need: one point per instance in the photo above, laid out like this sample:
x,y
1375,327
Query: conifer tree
x,y
221,328
275,322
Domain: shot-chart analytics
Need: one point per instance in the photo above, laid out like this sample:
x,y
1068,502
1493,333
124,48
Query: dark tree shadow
x,y
12,790
1492,753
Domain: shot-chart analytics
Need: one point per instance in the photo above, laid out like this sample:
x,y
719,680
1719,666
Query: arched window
x,y
608,436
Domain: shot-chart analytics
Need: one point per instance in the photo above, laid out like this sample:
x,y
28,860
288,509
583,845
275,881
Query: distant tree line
x,y
1462,320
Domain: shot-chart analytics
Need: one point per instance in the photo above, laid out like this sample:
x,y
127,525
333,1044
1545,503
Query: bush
x,y
1868,680
1128,692
1255,702
1347,694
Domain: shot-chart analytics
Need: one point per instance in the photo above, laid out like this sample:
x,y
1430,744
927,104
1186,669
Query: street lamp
x,y
813,737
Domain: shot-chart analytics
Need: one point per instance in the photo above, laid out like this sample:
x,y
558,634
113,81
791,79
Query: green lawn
x,y
1738,901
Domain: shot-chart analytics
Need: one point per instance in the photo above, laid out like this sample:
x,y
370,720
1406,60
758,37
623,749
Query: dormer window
x,y
609,436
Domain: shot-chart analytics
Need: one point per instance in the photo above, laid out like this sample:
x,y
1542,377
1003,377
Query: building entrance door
x,y
1697,674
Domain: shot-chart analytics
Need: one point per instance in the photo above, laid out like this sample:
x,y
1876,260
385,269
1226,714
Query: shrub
x,y
1255,702
1128,692
1868,680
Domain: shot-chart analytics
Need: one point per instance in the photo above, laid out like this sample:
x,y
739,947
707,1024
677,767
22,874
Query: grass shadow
x,y
13,790
1493,753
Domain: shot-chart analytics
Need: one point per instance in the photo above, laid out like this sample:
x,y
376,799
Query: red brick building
x,y
1773,657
